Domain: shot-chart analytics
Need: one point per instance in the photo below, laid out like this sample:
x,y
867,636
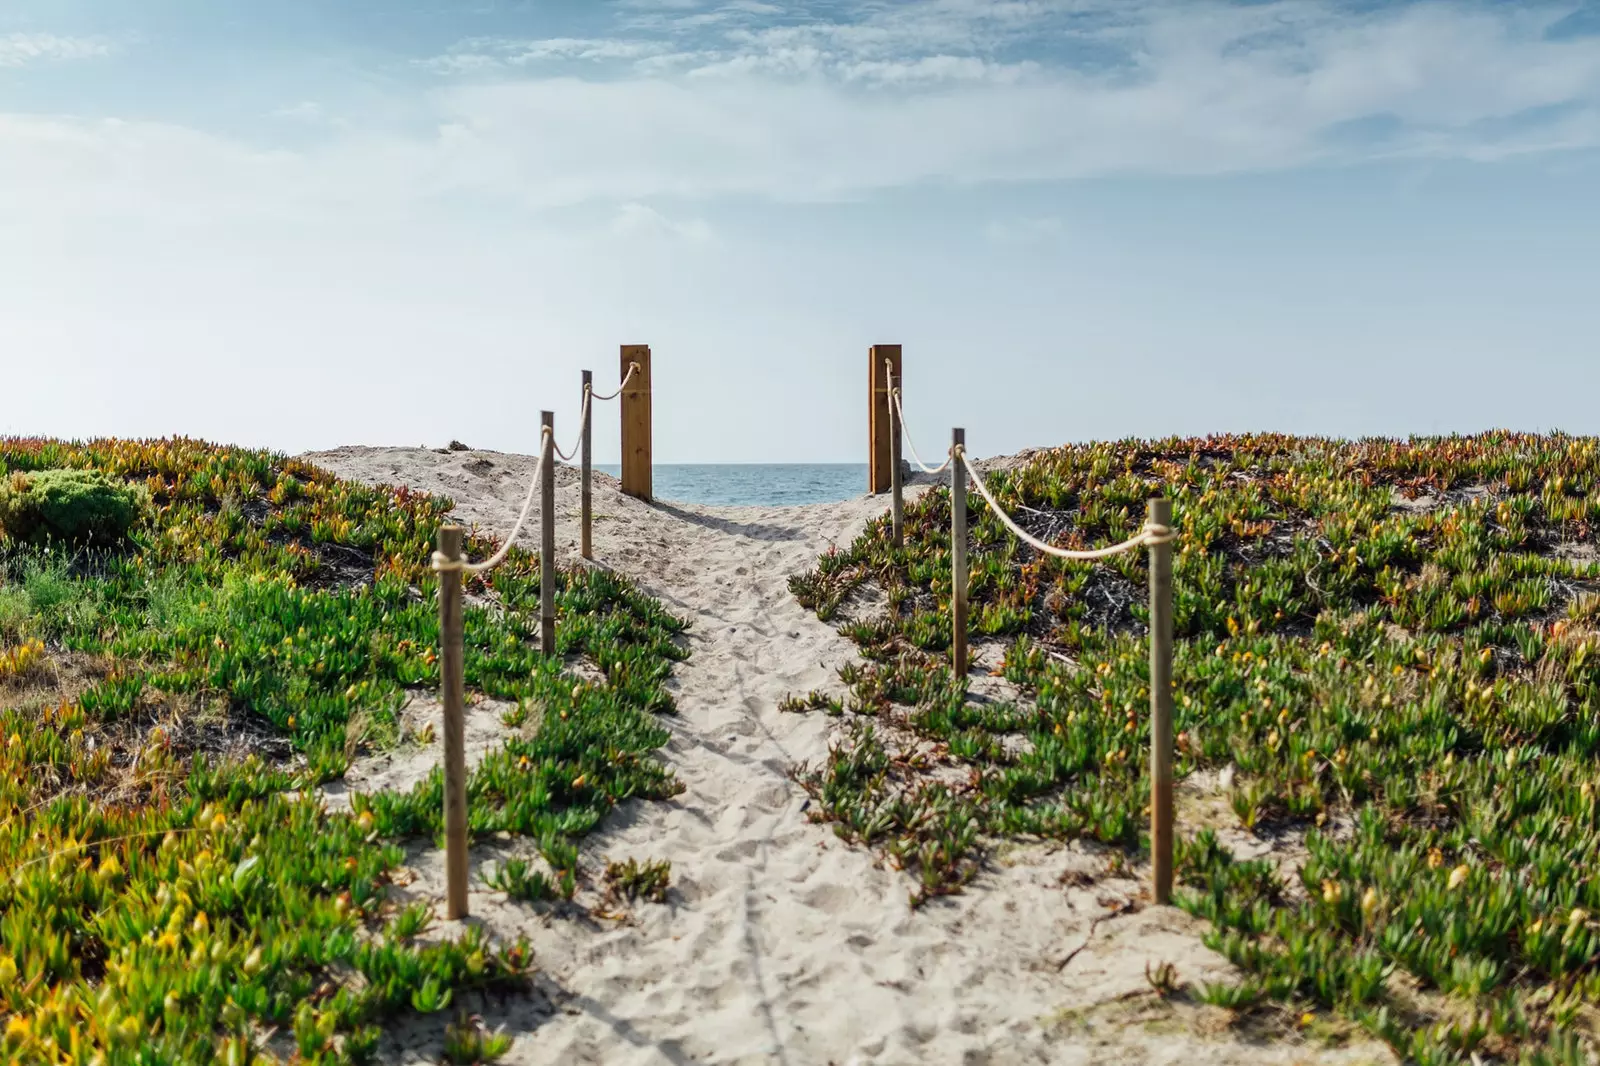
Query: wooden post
x,y
958,557
636,457
455,761
878,418
896,477
585,547
1160,514
547,536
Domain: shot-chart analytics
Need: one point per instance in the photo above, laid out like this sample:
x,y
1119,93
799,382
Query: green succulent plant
x,y
171,887
1389,646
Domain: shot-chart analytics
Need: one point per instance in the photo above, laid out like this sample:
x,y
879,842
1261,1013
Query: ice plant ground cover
x,y
171,888
1393,644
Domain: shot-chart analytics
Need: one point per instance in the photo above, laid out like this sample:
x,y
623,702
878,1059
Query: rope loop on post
x,y
1148,534
633,368
441,564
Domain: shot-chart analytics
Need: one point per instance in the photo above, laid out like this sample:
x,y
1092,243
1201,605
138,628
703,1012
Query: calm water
x,y
762,484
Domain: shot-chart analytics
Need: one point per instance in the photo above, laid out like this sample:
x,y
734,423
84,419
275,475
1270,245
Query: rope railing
x,y
1149,534
900,420
1156,535
441,563
583,424
633,368
450,563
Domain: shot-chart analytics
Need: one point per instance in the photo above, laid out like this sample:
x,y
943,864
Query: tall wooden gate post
x,y
636,452
879,420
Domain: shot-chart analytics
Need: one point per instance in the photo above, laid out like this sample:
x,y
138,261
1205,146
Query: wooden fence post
x,y
896,477
585,547
547,535
1160,514
958,556
455,766
878,417
636,454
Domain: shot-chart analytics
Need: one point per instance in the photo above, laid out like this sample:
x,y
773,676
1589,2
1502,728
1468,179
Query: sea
x,y
754,484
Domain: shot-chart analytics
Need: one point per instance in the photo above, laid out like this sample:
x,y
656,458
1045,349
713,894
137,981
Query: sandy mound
x,y
779,943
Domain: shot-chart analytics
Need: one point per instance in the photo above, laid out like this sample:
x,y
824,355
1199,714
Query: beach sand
x,y
779,943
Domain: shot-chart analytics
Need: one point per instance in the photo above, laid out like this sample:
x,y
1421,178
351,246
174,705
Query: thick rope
x,y
583,421
900,417
632,369
441,564
1150,534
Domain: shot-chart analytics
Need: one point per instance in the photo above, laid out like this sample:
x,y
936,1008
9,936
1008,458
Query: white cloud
x,y
304,111
477,55
23,49
1023,231
833,110
636,219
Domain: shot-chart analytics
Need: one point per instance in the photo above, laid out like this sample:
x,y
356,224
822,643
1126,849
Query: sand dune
x,y
779,943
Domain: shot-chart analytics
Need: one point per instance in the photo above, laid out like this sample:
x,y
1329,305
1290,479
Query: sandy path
x,y
780,943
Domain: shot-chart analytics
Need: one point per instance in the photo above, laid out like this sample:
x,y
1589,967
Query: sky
x,y
298,225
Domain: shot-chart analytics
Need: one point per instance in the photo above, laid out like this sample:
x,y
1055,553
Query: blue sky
x,y
306,224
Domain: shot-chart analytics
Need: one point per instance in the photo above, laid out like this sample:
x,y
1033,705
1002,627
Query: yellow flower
x,y
18,1030
1435,858
8,970
218,820
1458,876
1369,902
252,962
365,821
1332,891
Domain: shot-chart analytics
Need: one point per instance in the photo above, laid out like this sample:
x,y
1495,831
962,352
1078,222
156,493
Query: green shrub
x,y
74,506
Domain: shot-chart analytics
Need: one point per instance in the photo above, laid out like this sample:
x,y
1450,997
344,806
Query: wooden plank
x,y
636,447
1160,514
879,458
451,685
